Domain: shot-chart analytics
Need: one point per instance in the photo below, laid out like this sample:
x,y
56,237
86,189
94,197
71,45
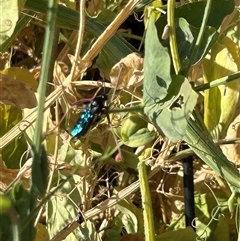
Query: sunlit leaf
x,y
168,101
221,101
157,76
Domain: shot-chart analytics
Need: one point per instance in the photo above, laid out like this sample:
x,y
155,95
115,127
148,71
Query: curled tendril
x,y
194,221
234,125
137,17
216,215
8,25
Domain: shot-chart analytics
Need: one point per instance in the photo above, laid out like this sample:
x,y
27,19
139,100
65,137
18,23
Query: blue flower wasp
x,y
90,116
92,113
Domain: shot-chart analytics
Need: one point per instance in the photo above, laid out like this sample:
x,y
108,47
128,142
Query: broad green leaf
x,y
204,204
61,210
9,16
193,13
222,231
187,27
131,125
129,159
186,234
186,38
168,101
173,120
9,117
131,216
157,76
186,35
221,102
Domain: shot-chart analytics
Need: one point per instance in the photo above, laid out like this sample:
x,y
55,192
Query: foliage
x,y
54,187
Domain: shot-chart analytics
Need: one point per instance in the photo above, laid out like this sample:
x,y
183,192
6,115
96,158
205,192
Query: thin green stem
x,y
200,36
146,203
48,45
138,108
218,82
172,36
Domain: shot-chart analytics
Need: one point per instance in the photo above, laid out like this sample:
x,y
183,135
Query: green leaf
x,y
61,209
131,216
186,38
193,13
174,120
10,116
186,234
168,101
130,160
188,19
131,125
156,68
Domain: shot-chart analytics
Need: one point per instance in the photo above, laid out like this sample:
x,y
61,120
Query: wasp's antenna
x,y
104,86
116,85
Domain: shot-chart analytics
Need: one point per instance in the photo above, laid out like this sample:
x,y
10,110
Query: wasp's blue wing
x,y
83,123
89,116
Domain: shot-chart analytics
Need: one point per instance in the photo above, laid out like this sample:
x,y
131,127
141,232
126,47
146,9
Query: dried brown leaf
x,y
128,71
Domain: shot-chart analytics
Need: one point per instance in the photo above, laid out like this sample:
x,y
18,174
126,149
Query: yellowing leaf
x,y
22,75
16,93
221,101
42,234
5,204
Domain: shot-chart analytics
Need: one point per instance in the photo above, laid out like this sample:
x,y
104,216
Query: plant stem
x,y
172,36
44,77
146,203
